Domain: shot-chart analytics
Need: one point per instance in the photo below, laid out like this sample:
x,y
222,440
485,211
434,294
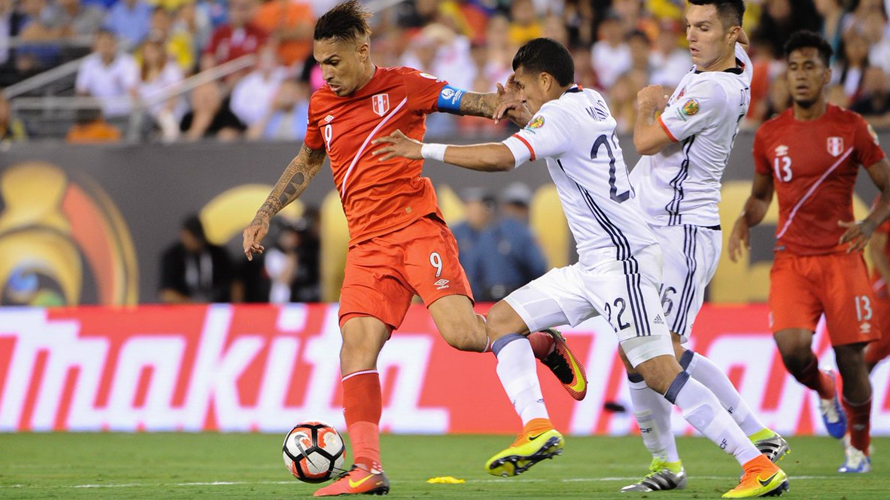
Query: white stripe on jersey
x,y
364,144
576,134
681,184
810,192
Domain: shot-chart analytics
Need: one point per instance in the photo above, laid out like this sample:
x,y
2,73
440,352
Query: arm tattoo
x,y
475,104
292,183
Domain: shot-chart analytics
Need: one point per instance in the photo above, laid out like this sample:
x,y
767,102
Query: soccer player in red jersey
x,y
399,244
810,156
879,250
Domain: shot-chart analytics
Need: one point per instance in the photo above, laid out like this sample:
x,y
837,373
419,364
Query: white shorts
x,y
628,300
691,254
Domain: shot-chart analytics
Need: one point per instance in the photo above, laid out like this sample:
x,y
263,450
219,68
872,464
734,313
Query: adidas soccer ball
x,y
314,451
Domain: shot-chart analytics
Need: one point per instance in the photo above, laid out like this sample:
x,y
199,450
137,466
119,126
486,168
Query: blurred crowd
x,y
142,48
498,251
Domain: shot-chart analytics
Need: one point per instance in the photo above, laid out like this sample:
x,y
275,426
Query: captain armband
x,y
449,99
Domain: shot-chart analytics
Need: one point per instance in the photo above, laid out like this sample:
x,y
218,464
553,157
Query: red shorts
x,y
880,348
383,274
802,288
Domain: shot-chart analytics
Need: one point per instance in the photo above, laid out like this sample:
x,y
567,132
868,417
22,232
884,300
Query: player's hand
x,y
515,111
857,233
652,98
253,235
399,145
510,104
739,237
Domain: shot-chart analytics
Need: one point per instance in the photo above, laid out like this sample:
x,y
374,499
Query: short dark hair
x,y
807,39
193,225
546,55
346,21
730,12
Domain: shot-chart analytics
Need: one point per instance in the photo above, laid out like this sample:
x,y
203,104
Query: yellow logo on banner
x,y
55,233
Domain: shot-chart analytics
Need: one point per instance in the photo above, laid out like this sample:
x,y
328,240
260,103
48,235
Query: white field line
x,y
260,483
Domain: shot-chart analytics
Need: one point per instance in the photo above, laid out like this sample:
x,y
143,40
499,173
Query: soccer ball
x,y
313,451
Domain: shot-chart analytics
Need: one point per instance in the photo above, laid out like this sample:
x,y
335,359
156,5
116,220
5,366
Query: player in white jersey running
x,y
619,270
688,138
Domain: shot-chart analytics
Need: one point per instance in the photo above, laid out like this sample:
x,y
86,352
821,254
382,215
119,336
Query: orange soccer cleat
x,y
762,478
560,360
357,481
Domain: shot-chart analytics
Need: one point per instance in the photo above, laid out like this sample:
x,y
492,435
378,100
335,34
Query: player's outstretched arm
x,y
858,233
755,210
490,157
649,136
482,105
504,103
292,183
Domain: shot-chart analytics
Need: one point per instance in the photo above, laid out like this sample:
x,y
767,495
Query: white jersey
x,y
576,134
681,184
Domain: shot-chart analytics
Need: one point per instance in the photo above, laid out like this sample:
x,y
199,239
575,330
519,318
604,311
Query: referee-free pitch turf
x,y
209,465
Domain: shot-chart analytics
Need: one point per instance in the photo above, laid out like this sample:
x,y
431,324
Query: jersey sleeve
x,y
703,105
868,149
761,162
423,90
313,139
548,134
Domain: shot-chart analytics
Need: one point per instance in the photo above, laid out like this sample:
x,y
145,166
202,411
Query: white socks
x,y
703,411
653,414
517,369
705,371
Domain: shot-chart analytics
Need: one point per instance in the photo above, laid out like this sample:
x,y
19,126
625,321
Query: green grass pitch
x,y
211,466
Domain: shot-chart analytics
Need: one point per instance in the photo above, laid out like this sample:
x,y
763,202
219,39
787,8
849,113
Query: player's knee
x,y
360,351
659,372
502,319
795,362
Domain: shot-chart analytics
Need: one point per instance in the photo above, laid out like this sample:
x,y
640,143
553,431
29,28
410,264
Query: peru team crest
x,y
835,146
380,104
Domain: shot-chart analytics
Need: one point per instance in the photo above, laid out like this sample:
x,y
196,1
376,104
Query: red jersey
x,y
378,196
814,166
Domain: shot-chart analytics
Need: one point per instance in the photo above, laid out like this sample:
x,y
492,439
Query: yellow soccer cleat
x,y
762,478
528,449
771,444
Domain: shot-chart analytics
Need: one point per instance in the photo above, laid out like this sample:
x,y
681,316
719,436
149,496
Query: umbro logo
x,y
658,320
782,150
327,119
865,328
441,284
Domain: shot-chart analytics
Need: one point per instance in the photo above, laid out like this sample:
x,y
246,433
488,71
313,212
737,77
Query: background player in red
x,y
879,251
399,243
810,156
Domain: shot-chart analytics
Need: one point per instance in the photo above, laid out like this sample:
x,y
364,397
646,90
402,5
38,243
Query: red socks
x,y
859,423
362,406
817,380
